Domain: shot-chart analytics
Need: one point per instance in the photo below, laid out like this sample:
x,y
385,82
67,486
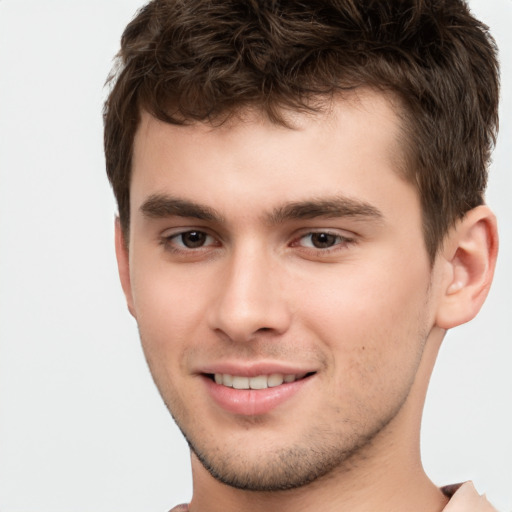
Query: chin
x,y
285,467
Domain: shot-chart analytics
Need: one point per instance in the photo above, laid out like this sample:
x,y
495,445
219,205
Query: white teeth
x,y
276,379
258,382
240,382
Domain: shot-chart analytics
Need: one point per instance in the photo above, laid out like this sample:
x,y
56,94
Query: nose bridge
x,y
250,298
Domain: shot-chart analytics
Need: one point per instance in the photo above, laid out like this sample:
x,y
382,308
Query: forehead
x,y
354,143
331,109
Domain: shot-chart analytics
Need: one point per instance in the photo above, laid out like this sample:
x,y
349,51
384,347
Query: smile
x,y
257,394
257,382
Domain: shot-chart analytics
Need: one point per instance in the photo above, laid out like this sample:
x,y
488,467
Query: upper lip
x,y
255,369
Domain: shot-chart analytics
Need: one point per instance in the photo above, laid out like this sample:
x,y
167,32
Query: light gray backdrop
x,y
81,425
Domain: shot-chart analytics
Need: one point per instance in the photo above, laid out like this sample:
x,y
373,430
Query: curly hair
x,y
188,61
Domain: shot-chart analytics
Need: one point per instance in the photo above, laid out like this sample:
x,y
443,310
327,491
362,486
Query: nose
x,y
250,299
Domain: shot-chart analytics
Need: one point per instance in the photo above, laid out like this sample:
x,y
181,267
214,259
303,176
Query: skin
x,y
364,311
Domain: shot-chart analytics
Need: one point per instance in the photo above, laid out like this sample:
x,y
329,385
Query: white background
x,y
82,427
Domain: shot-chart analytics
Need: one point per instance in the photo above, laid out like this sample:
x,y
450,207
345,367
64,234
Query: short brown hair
x,y
202,60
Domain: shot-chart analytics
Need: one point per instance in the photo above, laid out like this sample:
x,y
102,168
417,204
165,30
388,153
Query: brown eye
x,y
323,240
193,243
193,239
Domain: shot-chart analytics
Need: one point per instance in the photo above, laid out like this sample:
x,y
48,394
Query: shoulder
x,y
180,508
465,498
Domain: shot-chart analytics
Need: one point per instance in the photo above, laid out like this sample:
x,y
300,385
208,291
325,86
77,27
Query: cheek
x,y
168,307
167,312
373,320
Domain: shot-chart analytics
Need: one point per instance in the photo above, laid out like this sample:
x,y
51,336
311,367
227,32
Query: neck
x,y
386,474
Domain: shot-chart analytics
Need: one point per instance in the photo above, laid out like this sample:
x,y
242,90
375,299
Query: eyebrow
x,y
334,207
163,205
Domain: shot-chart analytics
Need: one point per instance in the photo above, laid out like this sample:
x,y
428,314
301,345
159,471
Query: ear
x,y
123,265
468,259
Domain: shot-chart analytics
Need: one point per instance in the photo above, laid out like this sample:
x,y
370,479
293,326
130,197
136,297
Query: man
x,y
301,220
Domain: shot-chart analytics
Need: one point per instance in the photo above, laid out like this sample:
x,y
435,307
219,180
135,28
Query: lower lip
x,y
253,402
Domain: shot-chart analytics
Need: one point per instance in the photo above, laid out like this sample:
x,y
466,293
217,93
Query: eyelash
x,y
167,241
341,242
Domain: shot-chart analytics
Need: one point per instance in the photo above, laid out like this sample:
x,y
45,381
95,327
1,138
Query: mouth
x,y
257,382
257,388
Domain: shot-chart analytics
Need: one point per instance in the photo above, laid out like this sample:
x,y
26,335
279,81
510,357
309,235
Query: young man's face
x,y
259,252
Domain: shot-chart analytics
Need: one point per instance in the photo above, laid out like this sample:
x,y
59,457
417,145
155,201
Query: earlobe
x,y
469,258
123,265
